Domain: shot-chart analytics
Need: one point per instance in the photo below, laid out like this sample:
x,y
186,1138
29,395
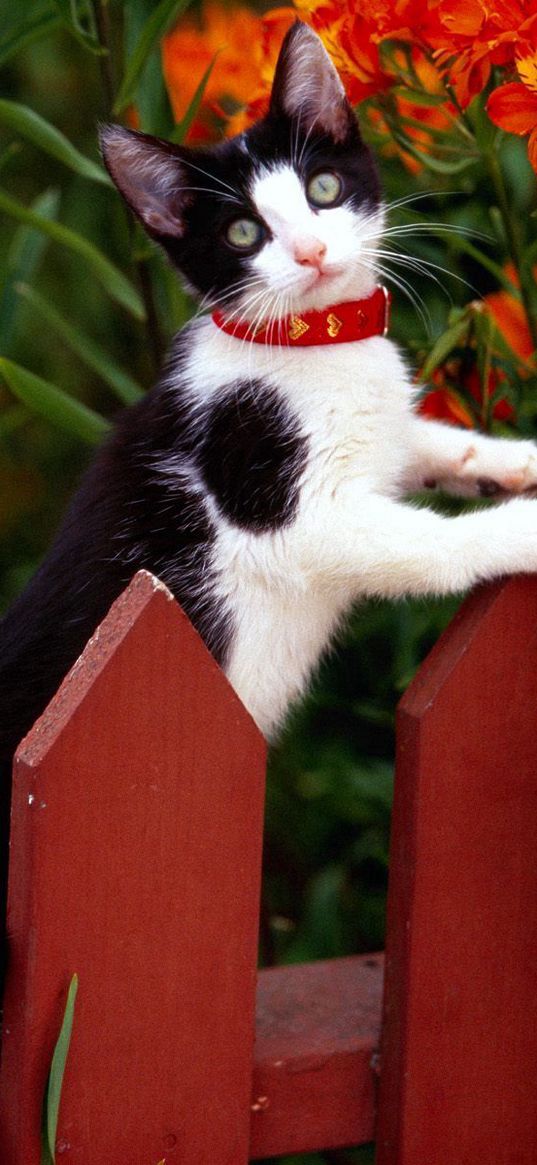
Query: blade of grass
x,y
68,12
113,281
459,243
52,403
452,338
22,260
124,387
55,1077
24,36
183,126
41,133
154,29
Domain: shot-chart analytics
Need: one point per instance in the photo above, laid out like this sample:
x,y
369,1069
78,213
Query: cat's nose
x,y
309,251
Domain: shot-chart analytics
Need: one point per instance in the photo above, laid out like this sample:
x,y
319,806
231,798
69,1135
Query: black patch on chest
x,y
252,456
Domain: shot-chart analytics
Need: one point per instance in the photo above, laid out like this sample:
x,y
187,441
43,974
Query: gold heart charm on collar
x,y
333,325
297,328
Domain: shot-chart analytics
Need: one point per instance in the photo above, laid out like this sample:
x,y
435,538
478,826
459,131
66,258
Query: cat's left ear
x,y
307,86
149,174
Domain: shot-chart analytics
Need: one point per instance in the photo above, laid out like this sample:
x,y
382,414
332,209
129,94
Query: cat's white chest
x,y
351,403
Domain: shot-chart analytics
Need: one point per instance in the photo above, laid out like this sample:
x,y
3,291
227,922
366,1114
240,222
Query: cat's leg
x,y
369,544
467,463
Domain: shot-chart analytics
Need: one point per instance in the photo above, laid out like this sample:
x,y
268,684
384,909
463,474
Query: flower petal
x,y
527,71
513,107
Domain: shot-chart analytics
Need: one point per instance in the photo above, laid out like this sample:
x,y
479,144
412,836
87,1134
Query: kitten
x,y
262,481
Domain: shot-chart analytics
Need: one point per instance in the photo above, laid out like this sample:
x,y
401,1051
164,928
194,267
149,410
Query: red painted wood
x,y
317,1034
459,1056
135,855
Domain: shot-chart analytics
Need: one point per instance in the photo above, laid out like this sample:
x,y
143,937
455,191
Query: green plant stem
x,y
102,24
154,334
512,237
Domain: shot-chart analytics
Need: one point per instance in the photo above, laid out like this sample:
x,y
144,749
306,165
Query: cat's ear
x,y
307,86
148,173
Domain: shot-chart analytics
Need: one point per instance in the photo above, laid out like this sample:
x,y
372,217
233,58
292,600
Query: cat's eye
x,y
324,189
244,233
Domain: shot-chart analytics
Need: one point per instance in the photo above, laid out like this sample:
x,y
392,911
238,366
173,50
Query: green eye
x,y
324,189
244,233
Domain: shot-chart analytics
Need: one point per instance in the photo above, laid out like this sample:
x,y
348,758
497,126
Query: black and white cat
x,y
262,479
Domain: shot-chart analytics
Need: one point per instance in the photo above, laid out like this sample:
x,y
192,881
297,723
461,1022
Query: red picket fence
x,y
135,861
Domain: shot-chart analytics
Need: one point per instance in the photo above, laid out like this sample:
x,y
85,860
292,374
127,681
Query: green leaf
x,y
437,165
55,1078
460,243
68,12
23,257
454,336
26,34
35,129
487,332
113,281
183,126
154,29
419,97
53,403
124,387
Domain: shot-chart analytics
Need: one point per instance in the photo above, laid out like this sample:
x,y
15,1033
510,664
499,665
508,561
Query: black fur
x,y
252,456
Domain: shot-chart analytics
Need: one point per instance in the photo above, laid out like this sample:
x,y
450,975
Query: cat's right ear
x,y
307,86
148,173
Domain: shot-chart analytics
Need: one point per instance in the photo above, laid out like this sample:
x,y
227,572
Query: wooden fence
x,y
135,861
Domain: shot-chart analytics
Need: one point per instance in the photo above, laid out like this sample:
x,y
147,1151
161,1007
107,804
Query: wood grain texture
x,y
135,861
318,1029
459,1054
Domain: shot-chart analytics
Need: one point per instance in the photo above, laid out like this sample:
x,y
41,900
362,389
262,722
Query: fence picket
x,y
138,803
460,1015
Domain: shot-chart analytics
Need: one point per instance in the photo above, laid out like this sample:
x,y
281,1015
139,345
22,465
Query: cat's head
x,y
283,218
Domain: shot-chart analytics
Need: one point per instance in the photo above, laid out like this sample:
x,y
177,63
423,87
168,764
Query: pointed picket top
x,y
135,862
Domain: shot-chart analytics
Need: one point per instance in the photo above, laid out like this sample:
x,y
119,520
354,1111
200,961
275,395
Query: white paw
x,y
497,467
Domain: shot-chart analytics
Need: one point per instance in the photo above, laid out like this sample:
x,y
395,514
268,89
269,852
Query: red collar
x,y
356,320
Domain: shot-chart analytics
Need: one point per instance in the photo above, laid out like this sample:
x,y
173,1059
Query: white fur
x,y
351,535
347,271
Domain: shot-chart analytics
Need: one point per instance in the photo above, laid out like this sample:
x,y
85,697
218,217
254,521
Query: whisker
x,y
406,288
207,174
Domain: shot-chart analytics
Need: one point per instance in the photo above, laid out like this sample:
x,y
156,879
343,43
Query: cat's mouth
x,y
319,276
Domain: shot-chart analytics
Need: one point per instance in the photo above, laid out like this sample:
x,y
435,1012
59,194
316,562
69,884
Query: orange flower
x,y
272,29
233,36
513,107
458,396
457,384
510,317
474,35
444,404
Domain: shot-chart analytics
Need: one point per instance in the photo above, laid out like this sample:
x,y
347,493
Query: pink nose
x,y
309,252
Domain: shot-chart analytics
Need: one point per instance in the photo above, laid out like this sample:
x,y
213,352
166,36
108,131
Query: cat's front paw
x,y
497,468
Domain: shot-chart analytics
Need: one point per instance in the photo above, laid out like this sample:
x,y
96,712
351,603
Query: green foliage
x,y
154,28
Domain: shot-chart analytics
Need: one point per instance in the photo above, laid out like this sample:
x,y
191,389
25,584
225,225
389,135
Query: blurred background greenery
x,y
87,308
